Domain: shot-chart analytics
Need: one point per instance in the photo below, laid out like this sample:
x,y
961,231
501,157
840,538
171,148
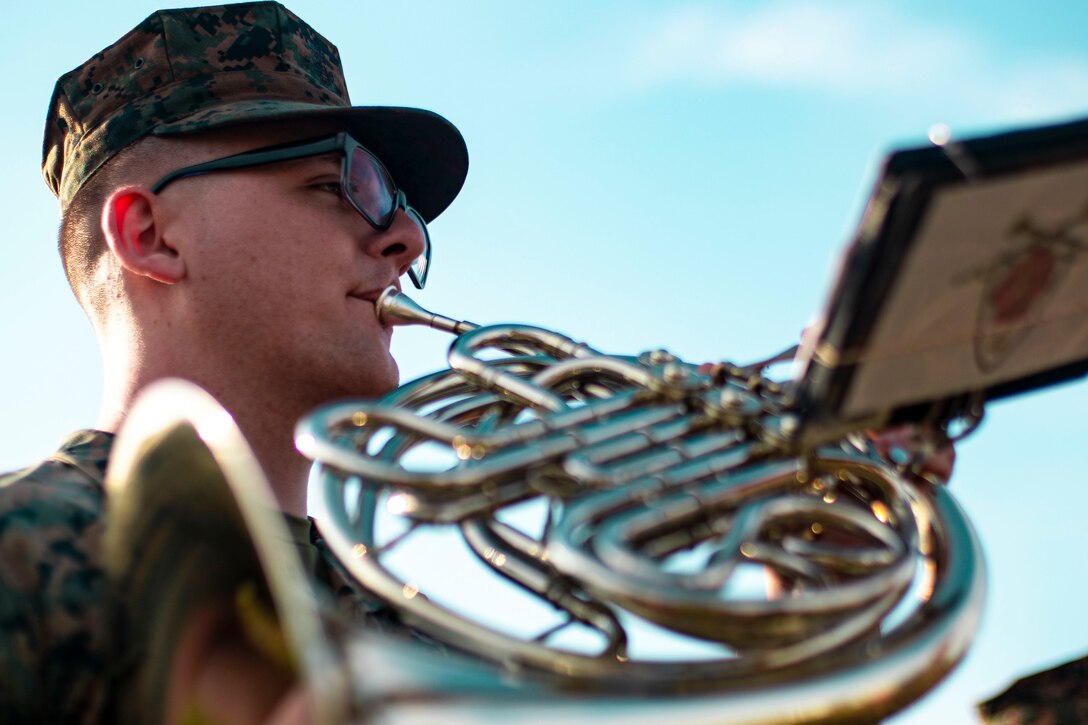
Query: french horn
x,y
691,557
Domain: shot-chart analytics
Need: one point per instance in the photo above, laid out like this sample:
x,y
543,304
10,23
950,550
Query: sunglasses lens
x,y
421,266
370,187
373,193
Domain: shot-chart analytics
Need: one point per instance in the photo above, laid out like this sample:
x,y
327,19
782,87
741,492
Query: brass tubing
x,y
396,308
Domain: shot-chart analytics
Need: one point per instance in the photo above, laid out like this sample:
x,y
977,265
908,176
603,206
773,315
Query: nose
x,y
400,244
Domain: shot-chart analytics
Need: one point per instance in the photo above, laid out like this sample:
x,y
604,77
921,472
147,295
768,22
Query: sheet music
x,y
994,288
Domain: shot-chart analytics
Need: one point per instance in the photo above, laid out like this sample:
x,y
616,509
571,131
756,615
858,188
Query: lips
x,y
371,296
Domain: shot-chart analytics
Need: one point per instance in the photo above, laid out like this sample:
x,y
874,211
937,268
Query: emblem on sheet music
x,y
1018,284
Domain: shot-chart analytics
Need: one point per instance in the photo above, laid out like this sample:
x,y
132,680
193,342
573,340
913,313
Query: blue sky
x,y
661,174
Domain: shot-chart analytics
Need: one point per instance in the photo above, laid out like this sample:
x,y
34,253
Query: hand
x,y
898,443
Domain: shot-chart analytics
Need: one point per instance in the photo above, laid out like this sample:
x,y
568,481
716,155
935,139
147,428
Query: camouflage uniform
x,y
53,662
59,662
1058,696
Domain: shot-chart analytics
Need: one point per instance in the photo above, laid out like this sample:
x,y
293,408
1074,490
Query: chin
x,y
389,378
374,382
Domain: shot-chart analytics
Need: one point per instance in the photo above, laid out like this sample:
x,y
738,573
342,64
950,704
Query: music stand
x,y
966,281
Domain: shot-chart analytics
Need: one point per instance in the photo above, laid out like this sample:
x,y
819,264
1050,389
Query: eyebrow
x,y
331,159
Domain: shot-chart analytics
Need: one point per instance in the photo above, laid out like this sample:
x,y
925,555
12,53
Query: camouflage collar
x,y
87,450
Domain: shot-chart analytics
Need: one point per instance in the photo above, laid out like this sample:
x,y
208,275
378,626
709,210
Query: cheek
x,y
268,258
272,288
268,267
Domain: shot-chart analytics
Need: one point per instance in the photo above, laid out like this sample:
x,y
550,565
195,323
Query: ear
x,y
135,235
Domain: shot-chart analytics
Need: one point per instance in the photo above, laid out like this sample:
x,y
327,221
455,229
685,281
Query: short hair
x,y
81,242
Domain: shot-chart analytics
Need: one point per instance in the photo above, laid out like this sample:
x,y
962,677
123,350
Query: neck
x,y
268,425
269,429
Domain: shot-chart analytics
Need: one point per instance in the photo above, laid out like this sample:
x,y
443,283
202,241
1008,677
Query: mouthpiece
x,y
396,308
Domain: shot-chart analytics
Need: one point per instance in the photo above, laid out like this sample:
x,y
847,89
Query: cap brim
x,y
424,152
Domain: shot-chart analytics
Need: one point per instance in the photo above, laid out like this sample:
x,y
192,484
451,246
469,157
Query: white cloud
x,y
842,46
857,50
1055,87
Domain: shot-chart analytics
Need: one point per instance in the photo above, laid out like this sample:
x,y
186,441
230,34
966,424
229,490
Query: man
x,y
253,277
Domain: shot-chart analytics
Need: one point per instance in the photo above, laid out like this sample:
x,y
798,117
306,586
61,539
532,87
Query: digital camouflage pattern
x,y
193,69
53,661
1058,696
63,657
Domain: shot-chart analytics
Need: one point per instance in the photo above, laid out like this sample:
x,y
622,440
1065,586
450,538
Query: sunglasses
x,y
365,183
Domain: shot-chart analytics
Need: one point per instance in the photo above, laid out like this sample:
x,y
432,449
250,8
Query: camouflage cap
x,y
189,70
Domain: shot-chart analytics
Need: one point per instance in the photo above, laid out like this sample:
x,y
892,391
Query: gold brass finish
x,y
662,487
193,523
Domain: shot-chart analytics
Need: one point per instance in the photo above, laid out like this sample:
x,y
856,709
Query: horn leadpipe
x,y
396,308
